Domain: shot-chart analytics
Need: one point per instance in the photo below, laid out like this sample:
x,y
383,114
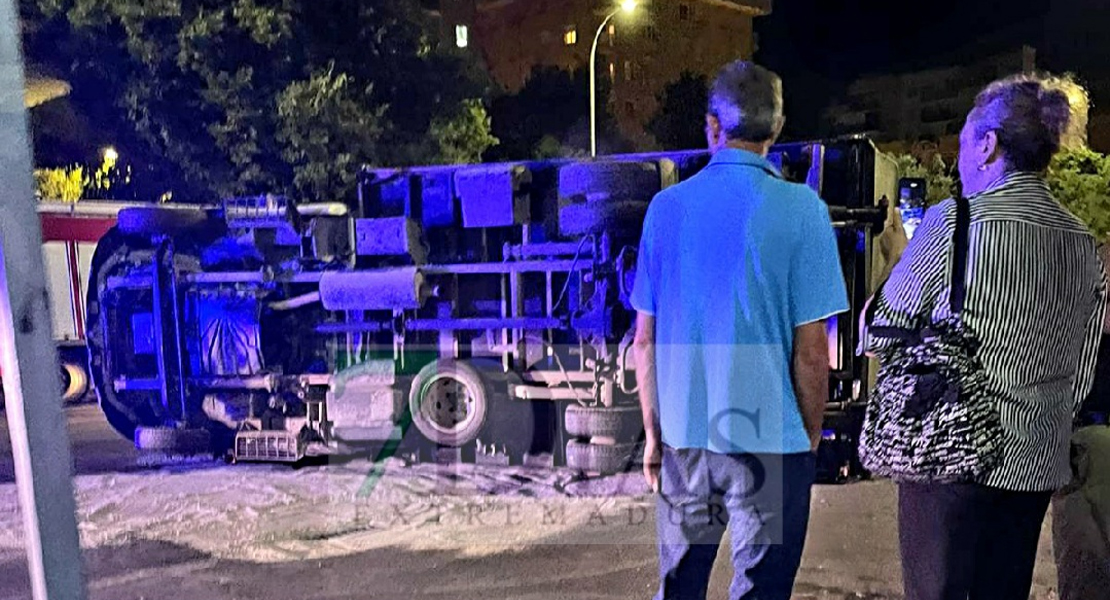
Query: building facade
x,y
638,52
930,104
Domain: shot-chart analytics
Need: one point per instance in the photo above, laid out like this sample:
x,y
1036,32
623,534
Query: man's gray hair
x,y
747,100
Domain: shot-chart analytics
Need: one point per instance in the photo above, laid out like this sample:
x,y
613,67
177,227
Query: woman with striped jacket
x,y
1035,296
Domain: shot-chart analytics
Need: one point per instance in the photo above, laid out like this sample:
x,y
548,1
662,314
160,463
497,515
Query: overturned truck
x,y
475,311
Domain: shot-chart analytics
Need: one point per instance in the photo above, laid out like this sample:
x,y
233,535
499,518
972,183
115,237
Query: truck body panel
x,y
482,310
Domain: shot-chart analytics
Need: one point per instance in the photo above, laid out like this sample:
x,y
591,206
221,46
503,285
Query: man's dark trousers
x,y
763,500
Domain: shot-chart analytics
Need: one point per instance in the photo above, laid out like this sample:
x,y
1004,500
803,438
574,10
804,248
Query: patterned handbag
x,y
928,418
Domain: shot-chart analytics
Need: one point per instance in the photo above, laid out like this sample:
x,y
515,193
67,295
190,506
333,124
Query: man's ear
x,y
712,129
779,123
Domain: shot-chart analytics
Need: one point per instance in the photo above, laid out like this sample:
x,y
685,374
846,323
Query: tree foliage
x,y
61,184
326,132
1080,180
463,136
940,178
550,117
677,125
245,96
75,182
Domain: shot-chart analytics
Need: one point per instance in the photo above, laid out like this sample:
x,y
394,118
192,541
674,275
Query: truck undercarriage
x,y
478,309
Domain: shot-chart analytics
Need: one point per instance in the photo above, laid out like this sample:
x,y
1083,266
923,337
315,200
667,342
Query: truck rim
x,y
75,382
448,404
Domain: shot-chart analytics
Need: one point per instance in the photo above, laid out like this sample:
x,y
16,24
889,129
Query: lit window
x,y
570,38
612,34
462,36
612,73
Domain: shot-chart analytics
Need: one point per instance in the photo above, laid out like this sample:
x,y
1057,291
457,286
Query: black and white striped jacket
x,y
1036,295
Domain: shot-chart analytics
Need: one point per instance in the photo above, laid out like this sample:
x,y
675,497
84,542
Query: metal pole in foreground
x,y
40,443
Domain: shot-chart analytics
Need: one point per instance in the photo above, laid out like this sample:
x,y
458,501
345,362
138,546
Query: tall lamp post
x,y
627,6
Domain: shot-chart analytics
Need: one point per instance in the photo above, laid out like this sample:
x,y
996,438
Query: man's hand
x,y
653,463
811,377
644,345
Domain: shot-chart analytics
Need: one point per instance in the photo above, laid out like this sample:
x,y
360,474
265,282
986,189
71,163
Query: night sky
x,y
818,46
843,39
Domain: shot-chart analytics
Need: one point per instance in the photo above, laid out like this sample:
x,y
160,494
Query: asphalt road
x,y
851,554
96,447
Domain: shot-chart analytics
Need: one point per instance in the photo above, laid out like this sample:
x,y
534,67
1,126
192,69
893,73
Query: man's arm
x,y
811,376
817,292
645,381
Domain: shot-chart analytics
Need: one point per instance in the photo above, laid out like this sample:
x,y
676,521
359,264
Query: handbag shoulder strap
x,y
960,241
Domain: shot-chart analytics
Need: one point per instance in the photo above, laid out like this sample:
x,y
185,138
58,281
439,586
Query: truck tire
x,y
161,220
598,458
610,181
450,403
173,440
618,219
75,382
619,422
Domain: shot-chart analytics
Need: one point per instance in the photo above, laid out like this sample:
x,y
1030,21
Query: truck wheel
x,y
618,219
75,382
598,458
161,220
173,440
607,181
619,422
449,402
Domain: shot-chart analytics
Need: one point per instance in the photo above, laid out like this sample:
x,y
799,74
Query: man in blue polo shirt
x,y
738,272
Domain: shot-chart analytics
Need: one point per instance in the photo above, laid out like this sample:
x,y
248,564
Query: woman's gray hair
x,y
747,100
1029,114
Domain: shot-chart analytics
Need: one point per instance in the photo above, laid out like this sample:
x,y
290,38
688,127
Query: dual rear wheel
x,y
457,403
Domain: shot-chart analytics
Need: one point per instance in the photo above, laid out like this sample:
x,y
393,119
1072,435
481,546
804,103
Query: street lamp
x,y
627,6
111,156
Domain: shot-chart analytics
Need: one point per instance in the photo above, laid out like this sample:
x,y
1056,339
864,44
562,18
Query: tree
x,y
549,117
285,96
462,137
1080,180
326,131
940,180
677,125
1078,176
65,185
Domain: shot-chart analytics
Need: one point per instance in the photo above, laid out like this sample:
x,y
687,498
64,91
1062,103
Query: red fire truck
x,y
70,232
